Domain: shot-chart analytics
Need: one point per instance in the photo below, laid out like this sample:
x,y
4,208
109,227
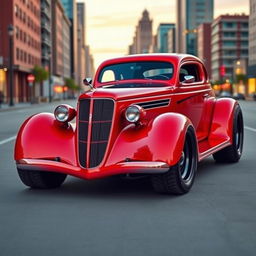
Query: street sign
x,y
31,78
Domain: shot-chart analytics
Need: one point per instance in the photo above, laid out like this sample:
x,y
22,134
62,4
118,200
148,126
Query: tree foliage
x,y
40,74
70,83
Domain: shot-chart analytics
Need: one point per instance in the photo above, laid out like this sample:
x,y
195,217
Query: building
x,y
153,47
229,44
46,32
61,51
143,35
90,70
162,36
252,49
204,45
190,14
171,40
25,17
81,41
71,12
81,19
66,46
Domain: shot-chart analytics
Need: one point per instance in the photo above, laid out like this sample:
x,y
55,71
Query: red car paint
x,y
151,146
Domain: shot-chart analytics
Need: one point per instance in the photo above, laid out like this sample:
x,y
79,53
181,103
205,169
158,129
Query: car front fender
x,y
42,137
160,140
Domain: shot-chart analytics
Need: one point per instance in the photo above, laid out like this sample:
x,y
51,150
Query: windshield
x,y
145,70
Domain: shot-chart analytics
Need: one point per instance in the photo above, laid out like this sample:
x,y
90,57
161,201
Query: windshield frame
x,y
161,81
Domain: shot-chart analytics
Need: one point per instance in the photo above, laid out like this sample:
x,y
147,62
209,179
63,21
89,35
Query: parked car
x,y
239,96
154,115
225,94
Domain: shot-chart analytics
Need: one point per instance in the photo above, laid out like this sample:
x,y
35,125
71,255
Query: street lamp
x,y
11,33
50,73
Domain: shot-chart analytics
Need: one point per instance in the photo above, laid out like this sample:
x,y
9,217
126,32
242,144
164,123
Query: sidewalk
x,y
6,107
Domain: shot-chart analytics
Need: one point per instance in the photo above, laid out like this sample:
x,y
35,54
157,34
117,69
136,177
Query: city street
x,y
115,216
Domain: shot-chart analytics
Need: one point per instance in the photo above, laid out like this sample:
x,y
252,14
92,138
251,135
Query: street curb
x,y
10,109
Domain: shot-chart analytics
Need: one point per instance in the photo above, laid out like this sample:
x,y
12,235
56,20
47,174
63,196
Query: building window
x,y
17,53
17,32
21,55
16,10
229,43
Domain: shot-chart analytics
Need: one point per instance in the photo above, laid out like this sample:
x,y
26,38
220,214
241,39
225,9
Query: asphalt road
x,y
125,217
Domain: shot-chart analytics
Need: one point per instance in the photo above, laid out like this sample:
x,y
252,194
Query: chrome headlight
x,y
133,113
64,113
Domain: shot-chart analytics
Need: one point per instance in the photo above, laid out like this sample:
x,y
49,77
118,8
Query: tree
x,y
40,74
70,83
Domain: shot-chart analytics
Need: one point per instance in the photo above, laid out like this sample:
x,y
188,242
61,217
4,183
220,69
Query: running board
x,y
207,148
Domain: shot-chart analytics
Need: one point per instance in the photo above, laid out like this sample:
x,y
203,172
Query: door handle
x,y
206,95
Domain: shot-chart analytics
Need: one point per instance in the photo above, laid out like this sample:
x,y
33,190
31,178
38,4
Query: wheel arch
x,y
42,137
222,121
160,140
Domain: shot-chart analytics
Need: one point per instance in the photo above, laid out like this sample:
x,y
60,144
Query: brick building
x,y
25,17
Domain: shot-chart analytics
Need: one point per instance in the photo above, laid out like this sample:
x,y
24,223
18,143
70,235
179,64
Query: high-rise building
x,y
143,35
190,14
25,18
252,49
162,36
204,45
81,19
229,44
81,40
71,12
60,47
171,40
46,32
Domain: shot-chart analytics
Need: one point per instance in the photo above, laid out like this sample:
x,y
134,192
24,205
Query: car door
x,y
191,96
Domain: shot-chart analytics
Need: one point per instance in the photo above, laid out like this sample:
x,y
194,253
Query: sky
x,y
111,23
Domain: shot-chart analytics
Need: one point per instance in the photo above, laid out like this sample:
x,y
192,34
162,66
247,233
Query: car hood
x,y
126,93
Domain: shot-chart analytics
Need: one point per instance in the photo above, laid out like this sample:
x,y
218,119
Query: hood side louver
x,y
155,104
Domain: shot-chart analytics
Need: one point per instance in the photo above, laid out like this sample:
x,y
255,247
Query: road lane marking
x,y
250,129
2,142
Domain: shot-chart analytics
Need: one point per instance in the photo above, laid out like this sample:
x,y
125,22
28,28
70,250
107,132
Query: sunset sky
x,y
111,23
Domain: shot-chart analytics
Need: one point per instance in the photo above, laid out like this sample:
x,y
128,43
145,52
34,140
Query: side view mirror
x,y
87,81
189,79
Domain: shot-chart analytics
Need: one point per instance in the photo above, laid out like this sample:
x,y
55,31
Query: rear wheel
x,y
41,180
233,153
180,177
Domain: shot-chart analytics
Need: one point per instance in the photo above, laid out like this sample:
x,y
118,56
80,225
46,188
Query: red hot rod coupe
x,y
144,114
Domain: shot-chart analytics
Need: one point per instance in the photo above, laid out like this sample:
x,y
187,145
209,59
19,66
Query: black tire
x,y
233,153
180,177
41,180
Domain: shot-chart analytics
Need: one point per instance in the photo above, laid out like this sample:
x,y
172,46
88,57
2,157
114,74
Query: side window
x,y
190,70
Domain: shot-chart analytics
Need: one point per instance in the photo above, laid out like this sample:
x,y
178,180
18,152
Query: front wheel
x,y
41,179
233,153
180,177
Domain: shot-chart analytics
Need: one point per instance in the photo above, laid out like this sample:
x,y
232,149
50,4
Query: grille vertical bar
x,y
101,126
84,111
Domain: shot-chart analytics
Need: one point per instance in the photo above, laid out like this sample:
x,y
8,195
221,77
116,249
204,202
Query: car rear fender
x,y
160,140
42,137
222,121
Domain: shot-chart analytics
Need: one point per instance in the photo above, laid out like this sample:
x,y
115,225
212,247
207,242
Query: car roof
x,y
177,58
